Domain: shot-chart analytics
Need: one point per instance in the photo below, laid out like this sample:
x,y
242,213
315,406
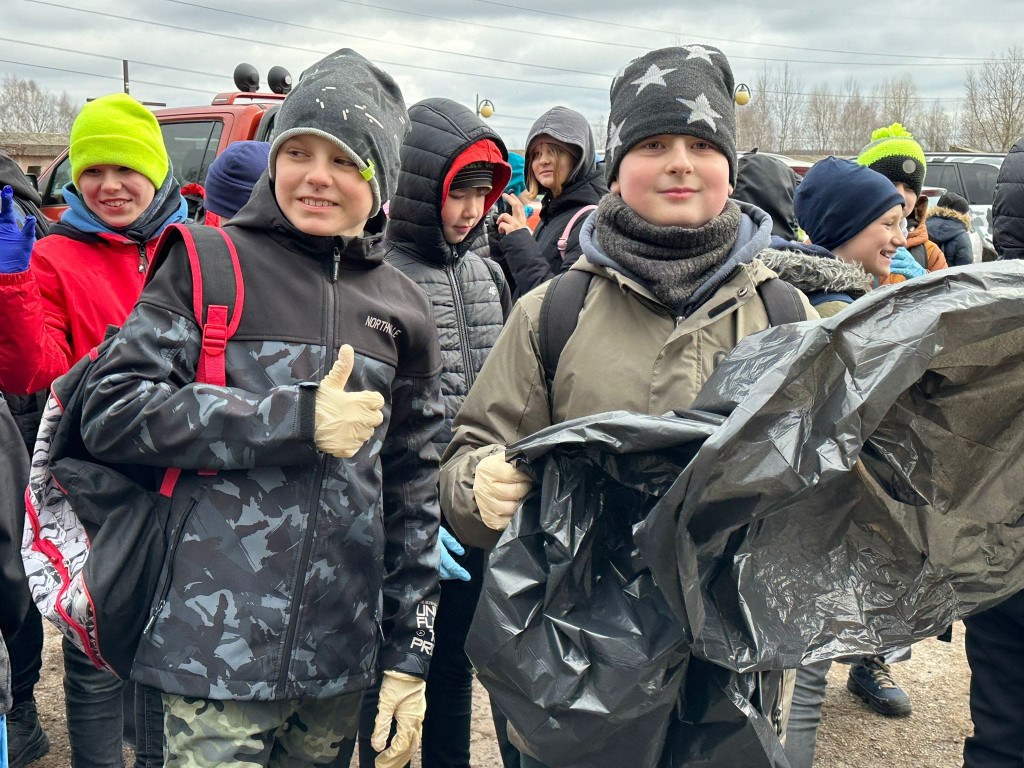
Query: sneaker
x,y
26,739
871,679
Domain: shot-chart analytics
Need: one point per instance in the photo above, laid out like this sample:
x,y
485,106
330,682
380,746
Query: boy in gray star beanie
x,y
672,90
345,99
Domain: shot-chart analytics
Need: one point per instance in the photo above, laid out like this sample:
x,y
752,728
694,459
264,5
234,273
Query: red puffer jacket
x,y
53,314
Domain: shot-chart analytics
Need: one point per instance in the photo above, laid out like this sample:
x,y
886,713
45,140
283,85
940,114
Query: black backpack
x,y
99,531
560,311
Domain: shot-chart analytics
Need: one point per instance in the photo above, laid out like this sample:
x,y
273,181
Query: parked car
x,y
972,175
194,137
800,167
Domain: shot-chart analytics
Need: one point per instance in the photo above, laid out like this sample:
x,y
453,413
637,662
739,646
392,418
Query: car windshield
x,y
979,182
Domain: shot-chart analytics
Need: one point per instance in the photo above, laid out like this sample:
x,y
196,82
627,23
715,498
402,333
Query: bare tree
x,y
600,129
822,119
754,121
857,118
994,102
24,106
937,129
898,99
786,106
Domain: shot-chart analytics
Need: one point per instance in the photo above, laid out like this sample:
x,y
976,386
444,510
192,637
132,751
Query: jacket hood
x,y
12,175
812,269
262,213
754,236
938,215
942,229
769,184
444,136
570,127
1008,205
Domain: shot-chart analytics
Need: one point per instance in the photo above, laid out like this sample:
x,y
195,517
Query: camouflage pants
x,y
204,733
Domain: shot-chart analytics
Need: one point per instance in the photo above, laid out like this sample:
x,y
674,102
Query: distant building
x,y
33,151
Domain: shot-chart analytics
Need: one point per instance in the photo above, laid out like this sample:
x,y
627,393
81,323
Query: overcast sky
x,y
462,48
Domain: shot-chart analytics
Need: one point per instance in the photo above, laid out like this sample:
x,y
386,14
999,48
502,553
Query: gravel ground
x,y
851,735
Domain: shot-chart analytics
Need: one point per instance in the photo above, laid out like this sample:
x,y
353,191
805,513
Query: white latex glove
x,y
345,420
498,488
403,698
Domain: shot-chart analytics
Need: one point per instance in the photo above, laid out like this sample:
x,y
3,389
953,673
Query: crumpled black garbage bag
x,y
572,639
856,491
865,490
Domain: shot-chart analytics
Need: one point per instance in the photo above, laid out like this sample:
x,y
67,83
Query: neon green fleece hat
x,y
118,130
894,154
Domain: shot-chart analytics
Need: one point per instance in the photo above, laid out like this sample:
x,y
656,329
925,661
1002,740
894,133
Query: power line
x,y
536,33
63,49
313,50
390,42
619,25
105,77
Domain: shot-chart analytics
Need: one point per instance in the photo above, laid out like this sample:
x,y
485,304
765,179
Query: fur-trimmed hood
x,y
812,271
949,213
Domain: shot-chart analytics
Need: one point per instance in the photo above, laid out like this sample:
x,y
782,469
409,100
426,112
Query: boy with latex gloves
x,y
308,557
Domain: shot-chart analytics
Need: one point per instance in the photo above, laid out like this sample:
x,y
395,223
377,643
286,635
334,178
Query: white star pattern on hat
x,y
655,75
700,52
621,72
700,109
614,139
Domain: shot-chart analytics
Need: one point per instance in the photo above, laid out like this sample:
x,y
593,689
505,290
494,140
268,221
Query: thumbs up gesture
x,y
345,420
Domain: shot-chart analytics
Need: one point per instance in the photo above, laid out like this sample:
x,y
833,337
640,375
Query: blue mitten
x,y
903,263
15,242
449,568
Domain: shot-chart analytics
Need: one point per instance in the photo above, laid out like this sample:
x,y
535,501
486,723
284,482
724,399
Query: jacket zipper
x,y
460,322
165,586
316,492
143,260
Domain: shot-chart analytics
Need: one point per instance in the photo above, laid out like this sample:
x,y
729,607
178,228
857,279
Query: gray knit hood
x,y
569,127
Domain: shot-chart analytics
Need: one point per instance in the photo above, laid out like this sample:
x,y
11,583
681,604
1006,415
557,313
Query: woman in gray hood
x,y
561,163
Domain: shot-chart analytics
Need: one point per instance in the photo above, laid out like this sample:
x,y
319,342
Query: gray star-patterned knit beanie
x,y
345,99
687,90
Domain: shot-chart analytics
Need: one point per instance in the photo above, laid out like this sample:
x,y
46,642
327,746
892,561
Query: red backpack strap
x,y
218,297
563,241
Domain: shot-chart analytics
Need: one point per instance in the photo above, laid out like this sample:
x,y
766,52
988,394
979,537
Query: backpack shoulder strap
x,y
218,293
559,315
781,302
218,296
563,241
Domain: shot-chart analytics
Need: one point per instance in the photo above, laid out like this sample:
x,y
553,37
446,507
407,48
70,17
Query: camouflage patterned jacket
x,y
291,565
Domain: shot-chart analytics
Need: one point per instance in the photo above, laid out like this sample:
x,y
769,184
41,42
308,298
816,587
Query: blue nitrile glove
x,y
15,242
903,263
449,568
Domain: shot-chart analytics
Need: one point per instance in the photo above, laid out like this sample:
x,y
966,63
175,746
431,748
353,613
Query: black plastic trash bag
x,y
866,490
573,640
852,485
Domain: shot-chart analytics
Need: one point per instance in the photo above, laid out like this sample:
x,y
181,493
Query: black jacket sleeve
x,y
145,407
412,560
13,479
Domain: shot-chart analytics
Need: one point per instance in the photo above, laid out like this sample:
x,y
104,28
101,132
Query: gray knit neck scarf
x,y
673,261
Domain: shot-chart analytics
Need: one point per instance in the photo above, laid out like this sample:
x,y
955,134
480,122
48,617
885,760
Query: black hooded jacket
x,y
1008,206
769,184
469,294
535,259
296,574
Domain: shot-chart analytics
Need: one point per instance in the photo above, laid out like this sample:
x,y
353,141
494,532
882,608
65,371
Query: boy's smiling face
x,y
674,180
115,193
320,189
